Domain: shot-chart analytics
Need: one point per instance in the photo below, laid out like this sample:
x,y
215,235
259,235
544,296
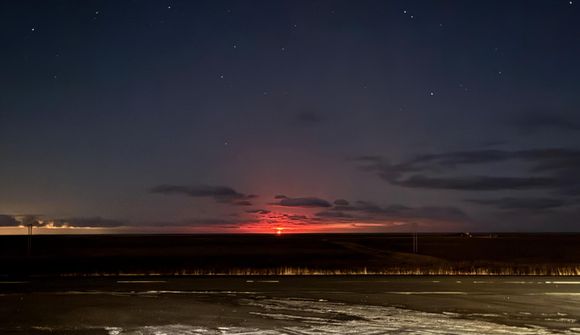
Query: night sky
x,y
299,116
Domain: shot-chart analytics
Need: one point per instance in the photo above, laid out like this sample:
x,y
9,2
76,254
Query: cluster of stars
x,y
235,45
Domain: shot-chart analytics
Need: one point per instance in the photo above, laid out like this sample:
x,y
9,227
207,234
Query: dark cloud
x,y
556,166
509,203
303,202
478,183
214,222
280,196
533,122
297,217
335,214
454,159
367,211
222,194
242,203
8,221
341,202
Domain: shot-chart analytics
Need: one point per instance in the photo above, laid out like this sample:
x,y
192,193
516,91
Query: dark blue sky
x,y
256,115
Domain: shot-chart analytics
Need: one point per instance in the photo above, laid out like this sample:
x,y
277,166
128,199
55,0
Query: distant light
x,y
431,93
33,29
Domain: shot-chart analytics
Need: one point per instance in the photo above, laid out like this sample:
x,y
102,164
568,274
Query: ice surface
x,y
323,317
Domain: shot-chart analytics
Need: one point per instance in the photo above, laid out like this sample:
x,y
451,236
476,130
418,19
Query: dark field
x,y
514,254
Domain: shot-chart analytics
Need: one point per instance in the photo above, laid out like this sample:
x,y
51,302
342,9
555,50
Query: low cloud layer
x,y
369,211
221,194
478,183
509,203
8,221
301,202
89,222
546,169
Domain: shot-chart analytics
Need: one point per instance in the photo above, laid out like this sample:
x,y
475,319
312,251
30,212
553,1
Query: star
x,y
431,93
33,29
235,46
221,76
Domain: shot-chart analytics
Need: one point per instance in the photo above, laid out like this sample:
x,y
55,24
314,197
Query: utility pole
x,y
415,239
29,226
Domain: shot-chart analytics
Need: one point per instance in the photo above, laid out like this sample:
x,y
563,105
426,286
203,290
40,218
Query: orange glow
x,y
279,231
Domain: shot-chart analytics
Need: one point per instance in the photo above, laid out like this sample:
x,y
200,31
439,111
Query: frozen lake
x,y
292,305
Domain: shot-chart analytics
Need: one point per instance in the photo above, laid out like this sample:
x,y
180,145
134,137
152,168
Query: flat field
x,y
515,254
